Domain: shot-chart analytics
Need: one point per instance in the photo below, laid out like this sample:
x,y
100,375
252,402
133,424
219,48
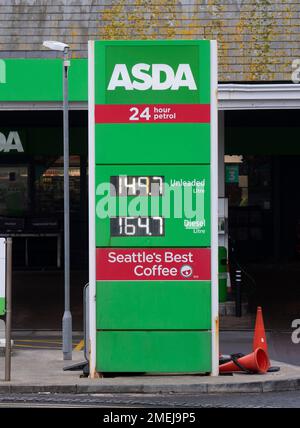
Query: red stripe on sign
x,y
153,264
152,113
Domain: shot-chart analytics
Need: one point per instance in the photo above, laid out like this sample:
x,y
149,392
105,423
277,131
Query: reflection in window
x,y
247,181
49,186
13,190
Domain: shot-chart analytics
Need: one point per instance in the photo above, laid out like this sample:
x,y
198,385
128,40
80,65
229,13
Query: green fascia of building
x,y
40,80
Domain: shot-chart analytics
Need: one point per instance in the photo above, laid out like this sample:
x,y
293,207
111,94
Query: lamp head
x,y
56,46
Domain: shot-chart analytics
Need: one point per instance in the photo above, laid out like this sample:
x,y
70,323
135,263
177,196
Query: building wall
x,y
258,39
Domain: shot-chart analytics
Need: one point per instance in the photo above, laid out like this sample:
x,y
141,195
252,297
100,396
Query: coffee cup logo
x,y
186,271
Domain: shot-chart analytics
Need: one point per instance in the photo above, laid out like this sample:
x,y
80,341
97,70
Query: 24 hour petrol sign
x,y
153,199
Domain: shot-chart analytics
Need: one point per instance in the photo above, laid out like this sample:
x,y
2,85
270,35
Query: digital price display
x,y
137,226
134,185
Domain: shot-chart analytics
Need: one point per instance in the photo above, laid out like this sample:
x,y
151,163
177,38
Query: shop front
x,y
31,187
262,160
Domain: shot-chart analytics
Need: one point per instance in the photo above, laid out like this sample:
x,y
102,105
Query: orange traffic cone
x,y
256,362
259,339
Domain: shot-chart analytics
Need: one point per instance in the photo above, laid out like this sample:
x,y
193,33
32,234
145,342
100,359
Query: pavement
x,y
40,370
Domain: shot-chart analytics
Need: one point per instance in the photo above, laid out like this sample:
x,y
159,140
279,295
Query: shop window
x,y
13,190
49,186
236,181
249,193
247,181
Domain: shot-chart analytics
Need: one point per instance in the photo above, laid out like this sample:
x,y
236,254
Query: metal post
x,y
8,308
238,291
214,210
67,318
92,210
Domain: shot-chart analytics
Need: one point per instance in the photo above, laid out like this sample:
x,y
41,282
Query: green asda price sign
x,y
153,206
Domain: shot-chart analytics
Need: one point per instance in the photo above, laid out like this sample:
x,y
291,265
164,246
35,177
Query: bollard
x,y
8,309
238,293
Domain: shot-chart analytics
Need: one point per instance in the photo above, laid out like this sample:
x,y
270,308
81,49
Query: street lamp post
x,y
67,317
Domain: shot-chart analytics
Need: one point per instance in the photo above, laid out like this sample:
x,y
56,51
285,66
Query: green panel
x,y
176,231
153,305
2,306
141,143
172,53
41,80
153,351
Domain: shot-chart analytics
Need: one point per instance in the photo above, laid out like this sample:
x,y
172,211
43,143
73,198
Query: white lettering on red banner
x,y
158,113
165,264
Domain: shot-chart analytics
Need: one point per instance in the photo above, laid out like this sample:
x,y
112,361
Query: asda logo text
x,y
12,142
158,77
